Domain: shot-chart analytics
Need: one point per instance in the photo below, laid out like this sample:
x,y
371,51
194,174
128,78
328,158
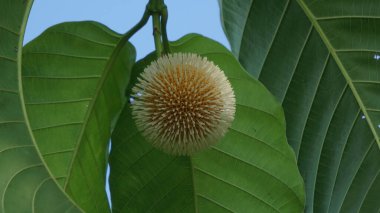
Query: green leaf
x,y
252,168
25,183
320,59
74,87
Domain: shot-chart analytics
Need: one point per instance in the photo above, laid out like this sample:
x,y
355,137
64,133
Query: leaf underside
x,y
72,95
251,169
320,59
25,183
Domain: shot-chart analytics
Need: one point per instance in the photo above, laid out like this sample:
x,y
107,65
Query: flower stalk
x,y
158,10
159,13
164,21
157,34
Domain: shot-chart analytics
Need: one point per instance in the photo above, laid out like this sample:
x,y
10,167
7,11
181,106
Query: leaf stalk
x,y
164,20
159,12
157,33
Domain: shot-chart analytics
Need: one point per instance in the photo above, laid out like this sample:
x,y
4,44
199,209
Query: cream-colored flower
x,y
183,103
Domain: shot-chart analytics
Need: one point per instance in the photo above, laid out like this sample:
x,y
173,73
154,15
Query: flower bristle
x,y
184,103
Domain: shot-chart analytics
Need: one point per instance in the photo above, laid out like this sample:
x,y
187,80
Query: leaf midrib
x,y
195,194
22,99
106,72
318,28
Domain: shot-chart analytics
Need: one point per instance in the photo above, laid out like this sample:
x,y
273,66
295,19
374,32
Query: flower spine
x,y
183,103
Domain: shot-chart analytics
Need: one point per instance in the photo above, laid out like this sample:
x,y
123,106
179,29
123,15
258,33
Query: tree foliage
x,y
305,135
320,59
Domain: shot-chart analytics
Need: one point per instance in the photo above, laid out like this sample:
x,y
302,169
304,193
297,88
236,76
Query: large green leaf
x,y
26,185
74,88
321,60
251,169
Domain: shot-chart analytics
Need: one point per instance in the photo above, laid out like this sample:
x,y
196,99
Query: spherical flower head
x,y
183,103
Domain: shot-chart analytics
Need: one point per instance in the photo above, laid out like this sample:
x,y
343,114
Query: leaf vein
x,y
8,58
16,147
298,62
324,138
85,39
166,194
60,102
57,152
9,30
68,55
13,177
36,191
57,125
237,187
357,171
63,78
263,142
340,161
9,91
216,203
139,190
262,170
277,28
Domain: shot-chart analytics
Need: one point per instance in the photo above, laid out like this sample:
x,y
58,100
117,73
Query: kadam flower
x,y
183,103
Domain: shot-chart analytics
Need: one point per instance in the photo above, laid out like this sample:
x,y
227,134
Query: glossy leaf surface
x,y
25,183
74,88
251,169
321,60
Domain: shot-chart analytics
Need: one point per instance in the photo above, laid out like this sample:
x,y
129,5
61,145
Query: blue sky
x,y
185,16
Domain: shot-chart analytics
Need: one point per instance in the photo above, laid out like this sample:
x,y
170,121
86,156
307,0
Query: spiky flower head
x,y
183,103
